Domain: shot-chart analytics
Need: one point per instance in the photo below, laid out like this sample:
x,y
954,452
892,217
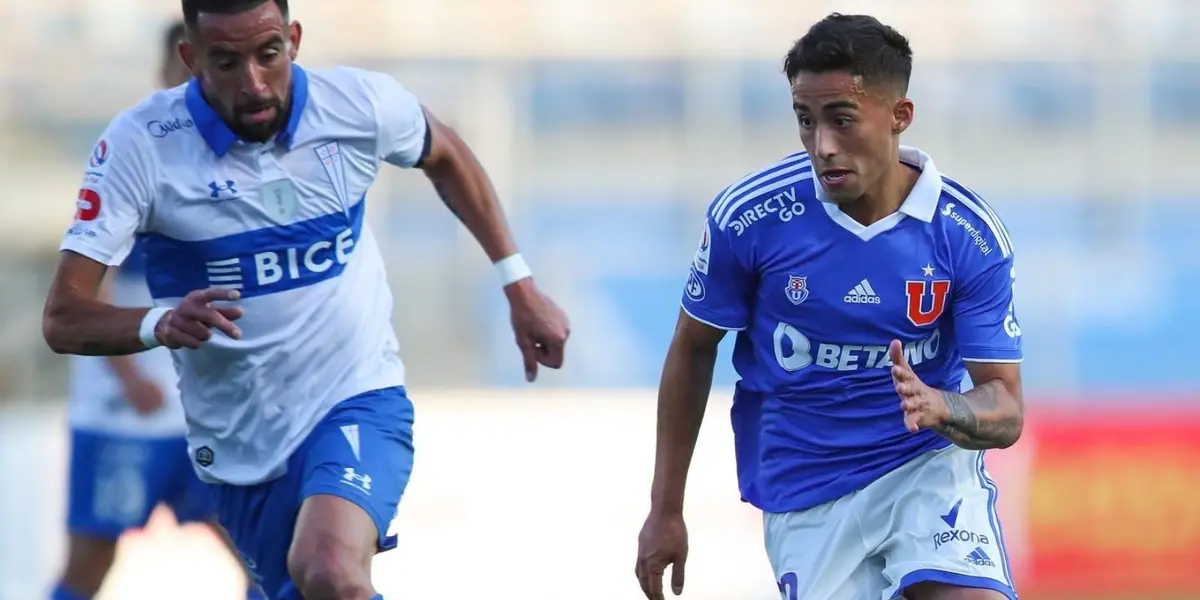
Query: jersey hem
x,y
809,501
247,477
709,323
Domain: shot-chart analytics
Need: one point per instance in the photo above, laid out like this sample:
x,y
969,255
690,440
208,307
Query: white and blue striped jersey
x,y
96,397
817,297
283,222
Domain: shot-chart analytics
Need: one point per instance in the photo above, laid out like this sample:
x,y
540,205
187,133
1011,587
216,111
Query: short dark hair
x,y
193,8
172,36
859,44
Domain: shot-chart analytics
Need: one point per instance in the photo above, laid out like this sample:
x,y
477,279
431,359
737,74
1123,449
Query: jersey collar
x,y
218,135
922,201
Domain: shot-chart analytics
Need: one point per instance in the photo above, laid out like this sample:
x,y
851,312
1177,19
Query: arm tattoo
x,y
962,416
968,429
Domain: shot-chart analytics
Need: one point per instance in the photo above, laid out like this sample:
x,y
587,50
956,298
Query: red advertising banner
x,y
1111,503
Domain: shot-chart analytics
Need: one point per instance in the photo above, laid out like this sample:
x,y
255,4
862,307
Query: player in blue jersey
x,y
864,287
128,452
248,188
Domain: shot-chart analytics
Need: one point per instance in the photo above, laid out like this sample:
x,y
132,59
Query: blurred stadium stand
x,y
609,125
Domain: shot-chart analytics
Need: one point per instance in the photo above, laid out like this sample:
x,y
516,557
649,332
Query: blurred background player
x,y
128,451
857,321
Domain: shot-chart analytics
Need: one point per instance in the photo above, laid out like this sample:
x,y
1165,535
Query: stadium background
x,y
607,127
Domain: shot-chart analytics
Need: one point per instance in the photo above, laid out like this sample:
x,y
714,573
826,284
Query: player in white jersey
x,y
128,452
864,287
247,188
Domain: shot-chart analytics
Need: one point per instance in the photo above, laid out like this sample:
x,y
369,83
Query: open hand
x,y
924,407
190,324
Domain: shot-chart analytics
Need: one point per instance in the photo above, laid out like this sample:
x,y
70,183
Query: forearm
x,y
989,416
122,365
93,328
682,398
463,185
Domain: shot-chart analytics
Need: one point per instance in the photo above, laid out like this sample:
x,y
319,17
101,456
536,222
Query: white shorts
x,y
933,519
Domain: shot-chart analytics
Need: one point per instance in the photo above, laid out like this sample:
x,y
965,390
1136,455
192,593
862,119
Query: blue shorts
x,y
117,480
361,451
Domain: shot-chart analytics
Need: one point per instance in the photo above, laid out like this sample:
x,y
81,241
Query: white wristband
x,y
149,324
512,269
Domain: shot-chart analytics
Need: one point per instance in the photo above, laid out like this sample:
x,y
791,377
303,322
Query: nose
x,y
827,143
254,81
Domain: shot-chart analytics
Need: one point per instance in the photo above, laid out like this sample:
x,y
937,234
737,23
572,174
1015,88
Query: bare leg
x,y
330,557
939,591
88,561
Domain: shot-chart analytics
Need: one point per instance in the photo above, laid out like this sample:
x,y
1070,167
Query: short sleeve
x,y
985,319
719,288
112,200
404,136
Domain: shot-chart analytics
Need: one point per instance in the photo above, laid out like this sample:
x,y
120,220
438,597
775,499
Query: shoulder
x,y
967,218
135,122
339,77
350,92
160,115
777,191
353,86
133,137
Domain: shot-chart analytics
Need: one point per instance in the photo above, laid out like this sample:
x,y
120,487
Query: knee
x,y
326,573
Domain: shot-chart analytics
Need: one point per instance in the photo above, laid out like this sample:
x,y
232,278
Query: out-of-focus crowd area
x,y
608,125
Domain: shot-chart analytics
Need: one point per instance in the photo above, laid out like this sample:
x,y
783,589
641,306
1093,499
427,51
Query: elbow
x,y
1015,427
55,330
1010,440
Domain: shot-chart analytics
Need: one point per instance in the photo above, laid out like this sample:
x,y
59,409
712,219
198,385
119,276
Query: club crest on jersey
x,y
797,289
330,156
926,300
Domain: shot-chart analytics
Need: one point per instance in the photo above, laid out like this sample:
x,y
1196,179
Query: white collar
x,y
922,201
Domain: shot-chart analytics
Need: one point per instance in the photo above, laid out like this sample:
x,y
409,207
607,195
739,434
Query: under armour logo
x,y
362,482
218,189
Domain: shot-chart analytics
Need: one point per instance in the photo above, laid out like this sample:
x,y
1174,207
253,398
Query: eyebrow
x,y
274,40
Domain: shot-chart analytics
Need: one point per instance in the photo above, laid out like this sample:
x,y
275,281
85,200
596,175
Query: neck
x,y
885,197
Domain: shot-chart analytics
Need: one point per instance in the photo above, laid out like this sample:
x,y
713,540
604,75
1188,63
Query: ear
x,y
902,115
187,54
295,31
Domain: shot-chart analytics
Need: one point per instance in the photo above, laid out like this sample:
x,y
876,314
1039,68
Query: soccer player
x,y
270,289
128,452
864,286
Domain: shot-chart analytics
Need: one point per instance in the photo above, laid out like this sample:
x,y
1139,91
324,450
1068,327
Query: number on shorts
x,y
787,586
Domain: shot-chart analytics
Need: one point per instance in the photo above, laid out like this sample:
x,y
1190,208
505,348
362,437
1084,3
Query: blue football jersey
x,y
816,298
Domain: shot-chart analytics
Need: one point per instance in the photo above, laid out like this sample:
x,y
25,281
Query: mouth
x,y
262,114
835,177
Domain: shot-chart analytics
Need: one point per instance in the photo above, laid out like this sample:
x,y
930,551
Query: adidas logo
x,y
862,293
980,558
